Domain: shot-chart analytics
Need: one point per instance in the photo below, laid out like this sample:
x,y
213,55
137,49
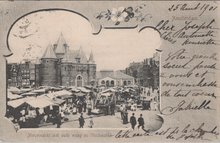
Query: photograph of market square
x,y
64,87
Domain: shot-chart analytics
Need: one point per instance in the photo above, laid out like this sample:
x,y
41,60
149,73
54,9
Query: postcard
x,y
109,71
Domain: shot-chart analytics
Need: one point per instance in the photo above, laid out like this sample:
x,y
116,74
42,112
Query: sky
x,y
112,48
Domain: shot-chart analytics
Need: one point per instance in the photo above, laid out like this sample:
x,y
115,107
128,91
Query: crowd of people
x,y
108,102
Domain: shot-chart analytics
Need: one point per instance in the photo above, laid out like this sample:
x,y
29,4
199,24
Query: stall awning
x,y
11,96
28,94
79,94
14,90
74,89
26,89
57,101
83,89
39,103
62,93
109,90
16,103
39,91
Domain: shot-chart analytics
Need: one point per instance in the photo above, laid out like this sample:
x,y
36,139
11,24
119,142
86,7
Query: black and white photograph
x,y
109,71
63,76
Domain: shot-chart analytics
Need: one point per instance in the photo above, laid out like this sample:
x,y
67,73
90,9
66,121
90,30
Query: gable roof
x,y
113,74
49,53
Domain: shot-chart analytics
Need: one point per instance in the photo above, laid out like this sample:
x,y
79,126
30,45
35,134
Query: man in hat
x,y
81,121
133,121
141,122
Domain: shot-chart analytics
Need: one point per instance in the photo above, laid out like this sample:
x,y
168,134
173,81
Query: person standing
x,y
125,117
133,121
59,118
91,123
81,121
89,106
141,122
121,111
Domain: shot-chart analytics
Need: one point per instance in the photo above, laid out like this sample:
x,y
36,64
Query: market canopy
x,y
109,90
74,89
62,93
28,94
79,94
14,90
57,101
83,89
39,102
26,89
12,96
16,103
39,90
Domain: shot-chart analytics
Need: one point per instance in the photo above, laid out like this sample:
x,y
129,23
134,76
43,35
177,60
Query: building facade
x,y
110,78
23,74
59,66
146,73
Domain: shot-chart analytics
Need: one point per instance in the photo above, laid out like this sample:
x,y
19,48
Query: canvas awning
x,y
83,89
28,94
79,94
11,96
109,90
26,89
57,101
74,89
39,102
16,103
14,90
62,93
39,90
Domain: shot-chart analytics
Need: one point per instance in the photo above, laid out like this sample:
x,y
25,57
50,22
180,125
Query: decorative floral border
x,y
121,14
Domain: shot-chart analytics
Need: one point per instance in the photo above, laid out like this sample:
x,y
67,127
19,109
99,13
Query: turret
x,y
91,58
92,69
60,47
48,68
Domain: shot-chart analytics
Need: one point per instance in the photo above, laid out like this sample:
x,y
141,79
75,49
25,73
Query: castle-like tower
x,y
62,66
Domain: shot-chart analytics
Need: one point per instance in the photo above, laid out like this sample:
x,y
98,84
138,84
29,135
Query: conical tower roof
x,y
80,54
49,53
91,58
61,45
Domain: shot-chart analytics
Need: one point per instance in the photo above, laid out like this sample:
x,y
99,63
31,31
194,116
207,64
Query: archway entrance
x,y
79,81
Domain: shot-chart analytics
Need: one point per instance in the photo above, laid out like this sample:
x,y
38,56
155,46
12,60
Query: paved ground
x,y
106,121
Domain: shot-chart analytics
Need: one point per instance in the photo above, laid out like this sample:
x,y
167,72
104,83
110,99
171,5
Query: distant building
x,y
146,73
110,78
23,74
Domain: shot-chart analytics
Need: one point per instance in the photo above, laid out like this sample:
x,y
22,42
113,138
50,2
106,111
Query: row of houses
x,y
27,74
145,73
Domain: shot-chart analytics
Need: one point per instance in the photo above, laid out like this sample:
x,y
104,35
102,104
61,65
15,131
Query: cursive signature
x,y
183,105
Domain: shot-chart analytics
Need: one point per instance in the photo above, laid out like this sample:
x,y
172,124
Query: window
x,y
112,83
77,60
102,82
129,82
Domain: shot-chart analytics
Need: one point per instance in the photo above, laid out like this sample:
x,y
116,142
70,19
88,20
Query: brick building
x,y
146,73
59,66
62,66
